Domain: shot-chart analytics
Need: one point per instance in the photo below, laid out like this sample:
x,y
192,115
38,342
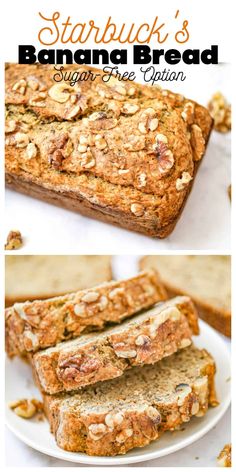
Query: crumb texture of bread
x,y
206,279
35,325
121,152
224,458
113,417
36,277
145,339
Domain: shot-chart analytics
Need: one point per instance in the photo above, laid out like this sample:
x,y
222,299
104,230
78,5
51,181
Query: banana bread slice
x,y
206,279
114,416
38,277
145,339
40,324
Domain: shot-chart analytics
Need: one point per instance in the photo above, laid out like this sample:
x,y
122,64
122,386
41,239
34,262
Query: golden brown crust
x,y
145,339
43,323
137,408
128,159
219,319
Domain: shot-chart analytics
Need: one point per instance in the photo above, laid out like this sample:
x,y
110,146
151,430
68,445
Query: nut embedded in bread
x,y
145,339
113,417
121,152
39,324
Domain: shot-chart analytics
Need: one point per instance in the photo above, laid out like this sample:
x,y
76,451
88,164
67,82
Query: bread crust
x,y
137,187
43,323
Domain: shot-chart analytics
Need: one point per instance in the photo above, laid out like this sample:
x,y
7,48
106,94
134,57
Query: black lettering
x,y
26,54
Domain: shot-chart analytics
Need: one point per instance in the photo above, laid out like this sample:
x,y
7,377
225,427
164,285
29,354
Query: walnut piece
x,y
224,458
27,408
182,181
197,142
148,121
220,111
14,240
60,92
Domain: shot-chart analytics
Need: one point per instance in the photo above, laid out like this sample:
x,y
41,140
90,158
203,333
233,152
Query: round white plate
x,y
19,384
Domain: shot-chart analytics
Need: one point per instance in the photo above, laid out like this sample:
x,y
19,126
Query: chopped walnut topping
x,y
113,419
10,126
131,91
220,111
59,149
26,408
142,340
88,160
161,138
197,142
97,431
116,292
185,343
117,86
148,121
123,435
90,297
14,240
224,458
31,151
130,108
188,113
99,120
60,92
20,86
22,140
195,408
135,143
137,209
142,179
165,157
122,351
100,142
183,181
79,310
153,414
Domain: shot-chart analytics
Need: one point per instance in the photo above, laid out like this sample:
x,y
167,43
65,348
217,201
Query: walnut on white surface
x,y
14,240
220,111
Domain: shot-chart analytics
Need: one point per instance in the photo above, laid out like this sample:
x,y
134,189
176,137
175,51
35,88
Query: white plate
x,y
19,384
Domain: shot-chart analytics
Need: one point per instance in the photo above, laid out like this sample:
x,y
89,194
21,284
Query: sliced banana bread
x,y
114,416
39,324
206,279
145,339
37,277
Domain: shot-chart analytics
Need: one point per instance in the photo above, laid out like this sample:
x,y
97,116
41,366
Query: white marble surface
x,y
204,224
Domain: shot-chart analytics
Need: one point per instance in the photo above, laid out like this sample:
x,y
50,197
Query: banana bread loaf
x,y
39,324
117,151
114,416
206,279
145,339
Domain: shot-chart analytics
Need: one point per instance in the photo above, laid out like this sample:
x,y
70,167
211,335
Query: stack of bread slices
x,y
115,364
